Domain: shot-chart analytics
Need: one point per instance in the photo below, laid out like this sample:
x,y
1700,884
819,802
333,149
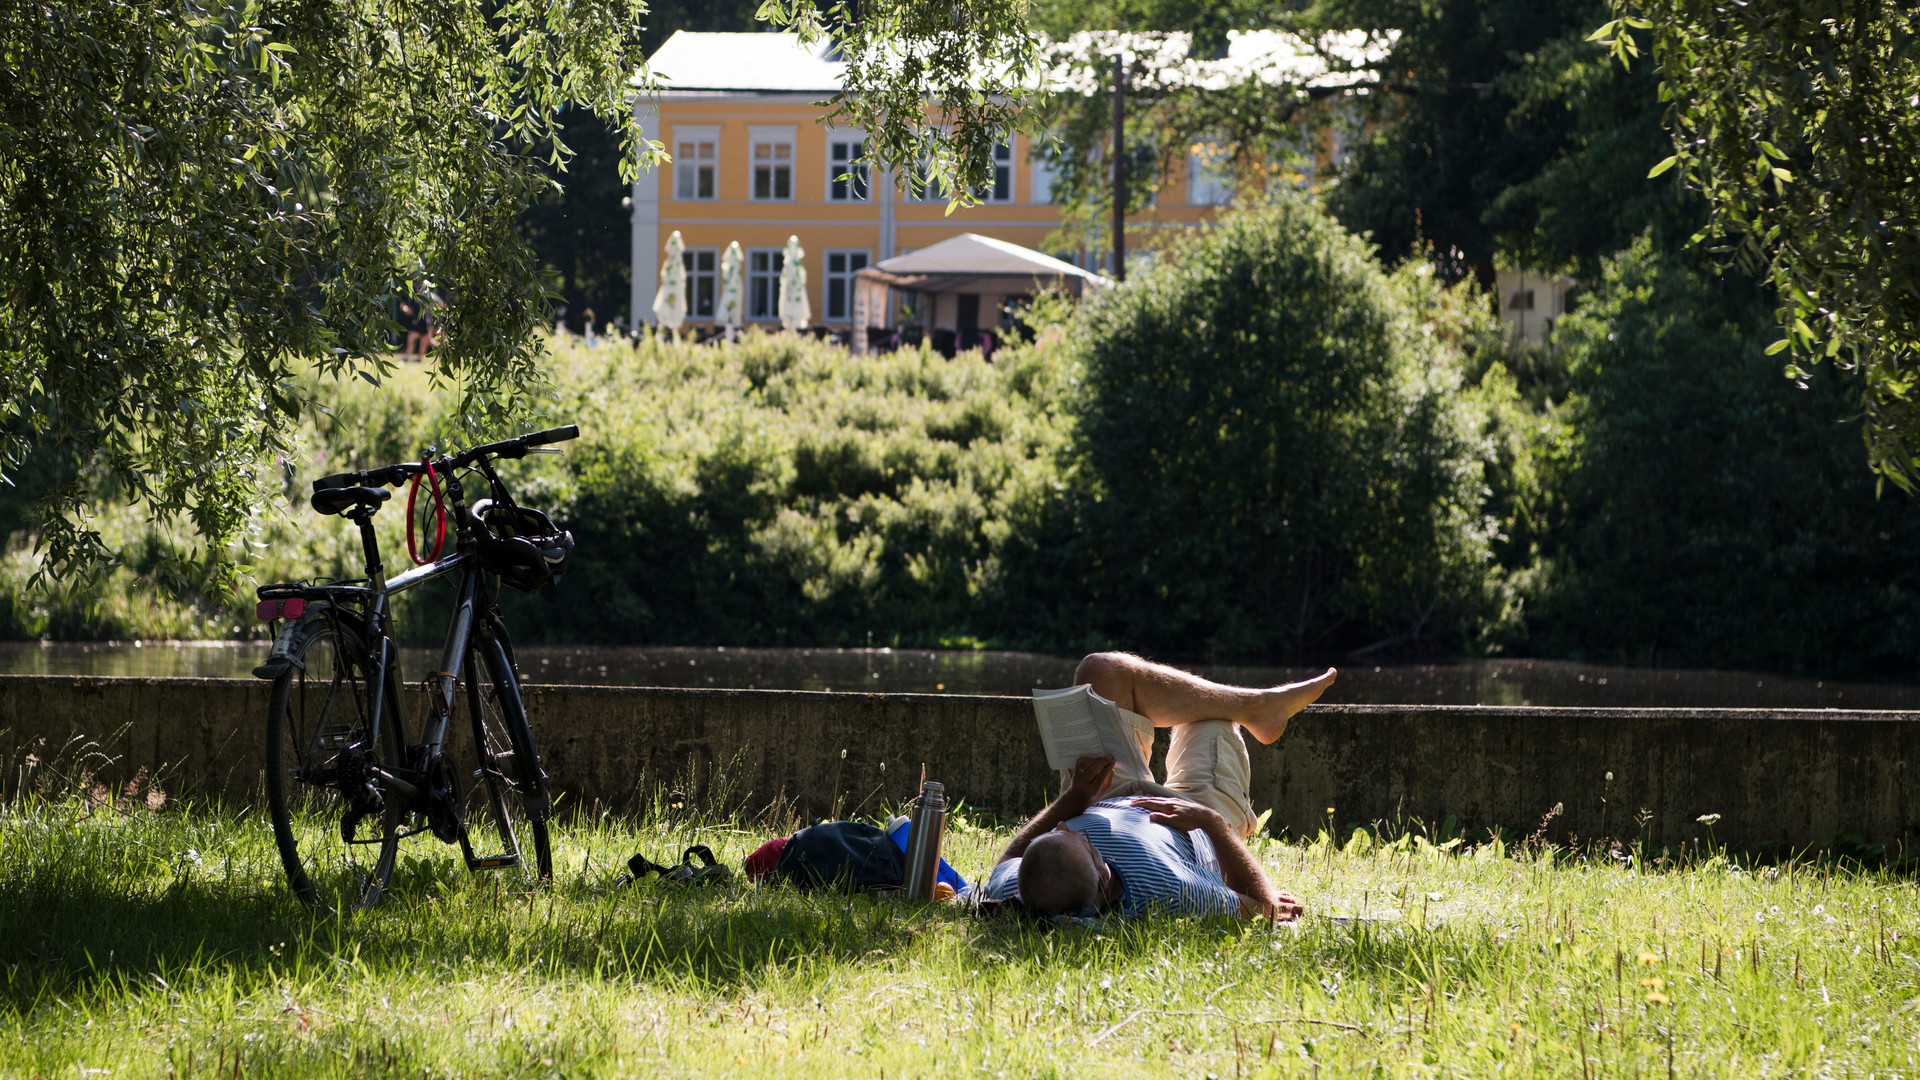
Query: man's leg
x,y
1170,697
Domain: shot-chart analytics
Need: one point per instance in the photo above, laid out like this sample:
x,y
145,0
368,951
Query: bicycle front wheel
x,y
337,834
509,804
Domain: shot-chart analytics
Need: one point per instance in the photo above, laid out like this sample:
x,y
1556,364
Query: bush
x,y
1715,512
784,491
1277,451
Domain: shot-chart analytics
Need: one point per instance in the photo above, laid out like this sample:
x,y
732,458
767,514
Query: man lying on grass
x,y
1138,845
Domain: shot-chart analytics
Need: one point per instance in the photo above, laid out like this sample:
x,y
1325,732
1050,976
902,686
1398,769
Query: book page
x,y
1077,723
1068,728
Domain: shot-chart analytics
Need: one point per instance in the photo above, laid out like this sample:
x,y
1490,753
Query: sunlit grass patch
x,y
137,941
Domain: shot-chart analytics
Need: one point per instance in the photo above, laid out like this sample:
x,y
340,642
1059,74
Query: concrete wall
x,y
1794,777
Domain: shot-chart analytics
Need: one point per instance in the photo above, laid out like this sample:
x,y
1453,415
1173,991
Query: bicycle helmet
x,y
521,545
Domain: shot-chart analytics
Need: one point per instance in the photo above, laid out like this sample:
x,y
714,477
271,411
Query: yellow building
x,y
753,163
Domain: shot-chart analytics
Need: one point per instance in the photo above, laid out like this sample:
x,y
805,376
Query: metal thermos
x,y
928,829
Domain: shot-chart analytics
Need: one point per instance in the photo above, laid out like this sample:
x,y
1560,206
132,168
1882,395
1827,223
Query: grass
x,y
163,942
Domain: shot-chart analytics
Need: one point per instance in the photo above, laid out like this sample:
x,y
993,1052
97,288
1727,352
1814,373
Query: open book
x,y
1077,723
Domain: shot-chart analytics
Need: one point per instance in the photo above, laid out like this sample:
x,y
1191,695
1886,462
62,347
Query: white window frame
x,y
686,172
771,137
1040,177
859,186
844,277
1209,174
1000,189
777,259
692,258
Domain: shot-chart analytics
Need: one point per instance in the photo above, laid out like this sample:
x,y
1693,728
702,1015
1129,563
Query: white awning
x,y
949,264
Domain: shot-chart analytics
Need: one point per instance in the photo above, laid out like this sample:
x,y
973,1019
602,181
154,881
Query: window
x,y
923,178
702,281
1039,175
1295,160
1001,190
846,175
1209,176
772,163
763,282
841,266
695,156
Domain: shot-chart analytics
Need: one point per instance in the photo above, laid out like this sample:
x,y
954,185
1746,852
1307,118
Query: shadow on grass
x,y
59,937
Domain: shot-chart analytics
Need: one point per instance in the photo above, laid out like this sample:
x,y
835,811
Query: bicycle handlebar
x,y
396,475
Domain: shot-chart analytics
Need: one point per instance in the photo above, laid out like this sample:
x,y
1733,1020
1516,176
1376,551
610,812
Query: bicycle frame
x,y
372,600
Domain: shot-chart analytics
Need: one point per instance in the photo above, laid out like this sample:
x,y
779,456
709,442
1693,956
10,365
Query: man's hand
x,y
1181,814
1091,775
1238,868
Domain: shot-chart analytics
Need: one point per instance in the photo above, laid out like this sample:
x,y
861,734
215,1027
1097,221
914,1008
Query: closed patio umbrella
x,y
670,303
795,311
730,310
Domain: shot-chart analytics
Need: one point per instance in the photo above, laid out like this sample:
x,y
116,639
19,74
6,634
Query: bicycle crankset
x,y
352,775
442,797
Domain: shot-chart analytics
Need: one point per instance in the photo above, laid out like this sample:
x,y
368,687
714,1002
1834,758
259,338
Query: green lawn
x,y
144,943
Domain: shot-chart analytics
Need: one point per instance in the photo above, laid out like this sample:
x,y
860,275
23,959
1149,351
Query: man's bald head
x,y
1058,873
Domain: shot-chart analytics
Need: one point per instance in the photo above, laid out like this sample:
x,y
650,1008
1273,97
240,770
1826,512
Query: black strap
x,y
640,866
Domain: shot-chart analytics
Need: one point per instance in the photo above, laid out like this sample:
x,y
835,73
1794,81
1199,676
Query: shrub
x,y
784,491
1277,451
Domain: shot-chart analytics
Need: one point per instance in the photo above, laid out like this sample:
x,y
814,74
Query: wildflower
x,y
1655,982
1649,958
1707,819
1658,998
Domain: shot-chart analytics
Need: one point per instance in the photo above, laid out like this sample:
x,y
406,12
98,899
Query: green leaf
x,y
1663,166
1778,347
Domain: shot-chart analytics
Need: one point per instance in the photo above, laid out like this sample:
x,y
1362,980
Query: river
x,y
1464,682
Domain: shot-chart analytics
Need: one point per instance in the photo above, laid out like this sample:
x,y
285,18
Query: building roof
x,y
974,260
759,63
778,63
1331,61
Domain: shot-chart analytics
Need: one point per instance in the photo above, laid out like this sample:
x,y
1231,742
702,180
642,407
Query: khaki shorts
x,y
1207,762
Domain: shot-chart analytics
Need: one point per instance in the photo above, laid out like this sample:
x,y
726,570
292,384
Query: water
x,y
1470,682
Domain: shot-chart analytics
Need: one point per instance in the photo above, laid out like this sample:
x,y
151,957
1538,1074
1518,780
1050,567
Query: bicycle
x,y
344,781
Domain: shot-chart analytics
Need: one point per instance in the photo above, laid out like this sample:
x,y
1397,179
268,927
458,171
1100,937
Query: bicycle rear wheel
x,y
320,771
510,802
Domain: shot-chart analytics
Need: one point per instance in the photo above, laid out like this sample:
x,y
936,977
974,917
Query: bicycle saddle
x,y
338,500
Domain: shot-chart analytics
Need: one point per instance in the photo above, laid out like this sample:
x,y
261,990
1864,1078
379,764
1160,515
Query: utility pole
x,y
1119,167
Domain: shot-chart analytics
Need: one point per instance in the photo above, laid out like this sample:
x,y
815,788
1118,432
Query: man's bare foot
x,y
1268,720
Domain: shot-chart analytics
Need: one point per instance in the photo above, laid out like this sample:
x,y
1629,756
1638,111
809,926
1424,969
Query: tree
x,y
580,230
201,201
1796,122
1504,134
1276,449
1712,512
